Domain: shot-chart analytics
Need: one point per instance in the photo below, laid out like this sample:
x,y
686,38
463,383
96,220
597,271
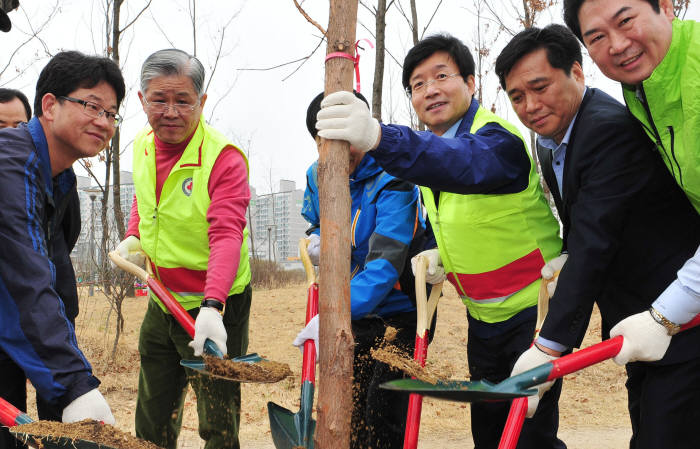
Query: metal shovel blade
x,y
458,390
285,427
51,442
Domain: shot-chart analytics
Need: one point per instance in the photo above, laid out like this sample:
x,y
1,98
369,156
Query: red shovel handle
x,y
308,367
12,416
158,289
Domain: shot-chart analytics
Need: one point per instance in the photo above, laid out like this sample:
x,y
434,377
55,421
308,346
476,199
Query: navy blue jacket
x,y
386,219
35,329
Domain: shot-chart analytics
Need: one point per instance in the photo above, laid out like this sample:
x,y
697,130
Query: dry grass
x,y
593,404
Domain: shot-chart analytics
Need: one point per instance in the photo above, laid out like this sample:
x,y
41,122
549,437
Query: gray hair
x,y
173,62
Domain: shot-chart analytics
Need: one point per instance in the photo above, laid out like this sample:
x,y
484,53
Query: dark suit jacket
x,y
628,227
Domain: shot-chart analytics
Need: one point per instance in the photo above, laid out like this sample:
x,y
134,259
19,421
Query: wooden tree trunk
x,y
336,351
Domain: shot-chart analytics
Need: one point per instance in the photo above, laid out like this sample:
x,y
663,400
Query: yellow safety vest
x,y
174,231
493,246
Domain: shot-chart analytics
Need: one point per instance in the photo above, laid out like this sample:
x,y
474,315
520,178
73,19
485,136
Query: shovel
x,y
11,416
181,315
518,385
607,350
425,309
293,430
518,409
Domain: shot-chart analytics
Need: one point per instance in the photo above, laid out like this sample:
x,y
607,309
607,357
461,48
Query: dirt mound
x,y
263,371
89,430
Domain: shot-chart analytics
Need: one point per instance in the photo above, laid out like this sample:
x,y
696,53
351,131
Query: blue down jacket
x,y
387,229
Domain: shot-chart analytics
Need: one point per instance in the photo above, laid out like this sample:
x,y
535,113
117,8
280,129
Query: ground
x,y
592,407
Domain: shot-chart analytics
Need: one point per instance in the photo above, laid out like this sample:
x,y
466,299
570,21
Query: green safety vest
x,y
493,246
174,231
673,116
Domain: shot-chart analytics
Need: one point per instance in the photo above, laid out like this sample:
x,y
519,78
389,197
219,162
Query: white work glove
x,y
310,332
530,359
91,405
130,249
314,248
435,272
343,116
209,324
645,340
550,268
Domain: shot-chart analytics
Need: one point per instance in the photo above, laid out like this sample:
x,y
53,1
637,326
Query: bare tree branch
x,y
162,31
137,17
308,18
432,16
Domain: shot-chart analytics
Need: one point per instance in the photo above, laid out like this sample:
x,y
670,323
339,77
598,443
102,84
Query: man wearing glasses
x,y
493,226
188,217
37,337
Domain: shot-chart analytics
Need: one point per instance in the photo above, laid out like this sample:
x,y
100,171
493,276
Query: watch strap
x,y
671,327
218,305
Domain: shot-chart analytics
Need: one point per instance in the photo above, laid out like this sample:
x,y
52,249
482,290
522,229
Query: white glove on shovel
x,y
343,116
645,340
209,324
550,268
130,249
314,248
310,332
529,359
91,405
435,272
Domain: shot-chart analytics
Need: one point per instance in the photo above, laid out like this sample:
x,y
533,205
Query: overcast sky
x,y
261,111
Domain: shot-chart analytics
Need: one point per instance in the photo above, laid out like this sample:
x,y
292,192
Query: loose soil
x,y
264,371
88,430
593,405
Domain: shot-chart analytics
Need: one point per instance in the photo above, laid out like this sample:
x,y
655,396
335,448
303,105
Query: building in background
x,y
88,254
276,225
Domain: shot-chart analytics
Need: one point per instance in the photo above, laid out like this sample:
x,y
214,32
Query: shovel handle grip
x,y
12,416
173,306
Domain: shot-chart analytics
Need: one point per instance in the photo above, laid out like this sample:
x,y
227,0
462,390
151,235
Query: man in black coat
x,y
628,228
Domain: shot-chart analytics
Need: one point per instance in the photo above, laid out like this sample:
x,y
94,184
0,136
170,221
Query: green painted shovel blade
x,y
458,390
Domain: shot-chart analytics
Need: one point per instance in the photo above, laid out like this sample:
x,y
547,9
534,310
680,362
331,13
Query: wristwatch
x,y
671,327
218,305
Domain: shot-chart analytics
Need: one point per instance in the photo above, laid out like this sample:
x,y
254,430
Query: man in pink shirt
x,y
188,216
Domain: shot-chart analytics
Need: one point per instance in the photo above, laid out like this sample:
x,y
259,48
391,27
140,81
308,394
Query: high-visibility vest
x,y
493,246
174,231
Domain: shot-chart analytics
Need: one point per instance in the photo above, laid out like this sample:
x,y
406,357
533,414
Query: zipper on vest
x,y
655,131
155,248
673,154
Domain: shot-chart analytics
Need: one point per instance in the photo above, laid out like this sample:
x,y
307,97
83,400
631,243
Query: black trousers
x,y
493,359
664,405
13,388
379,416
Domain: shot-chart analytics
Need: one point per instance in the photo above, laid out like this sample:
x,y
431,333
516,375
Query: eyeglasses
x,y
420,86
94,110
160,107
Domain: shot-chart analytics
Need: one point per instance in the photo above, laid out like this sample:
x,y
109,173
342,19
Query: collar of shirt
x,y
453,129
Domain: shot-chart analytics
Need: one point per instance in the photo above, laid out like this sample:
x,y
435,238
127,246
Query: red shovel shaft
x,y
415,401
308,371
12,416
174,307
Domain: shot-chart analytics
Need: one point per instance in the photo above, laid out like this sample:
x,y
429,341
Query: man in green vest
x,y
493,227
188,217
656,57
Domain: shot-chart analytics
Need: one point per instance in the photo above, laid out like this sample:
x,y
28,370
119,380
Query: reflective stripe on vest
x,y
493,246
174,231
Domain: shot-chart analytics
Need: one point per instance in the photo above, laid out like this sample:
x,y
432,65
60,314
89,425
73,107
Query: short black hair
x,y
424,49
571,8
7,95
315,106
562,48
72,70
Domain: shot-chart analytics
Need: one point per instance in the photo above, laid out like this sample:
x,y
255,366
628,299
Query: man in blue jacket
x,y
387,228
76,103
